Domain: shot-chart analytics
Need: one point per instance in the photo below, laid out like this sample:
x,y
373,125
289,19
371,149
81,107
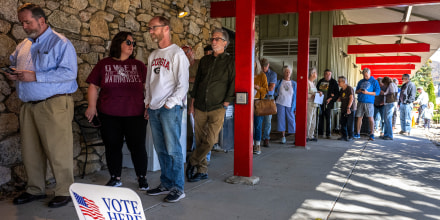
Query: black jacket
x,y
333,88
407,93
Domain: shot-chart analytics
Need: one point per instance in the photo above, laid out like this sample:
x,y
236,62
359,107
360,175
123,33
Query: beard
x,y
157,37
33,33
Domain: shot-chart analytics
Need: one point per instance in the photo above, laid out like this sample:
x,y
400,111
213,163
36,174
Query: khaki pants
x,y
208,126
311,119
46,134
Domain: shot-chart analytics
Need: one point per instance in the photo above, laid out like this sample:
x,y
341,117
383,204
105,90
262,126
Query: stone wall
x,y
90,25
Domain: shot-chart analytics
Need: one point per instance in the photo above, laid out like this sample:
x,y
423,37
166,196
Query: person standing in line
x,y
379,108
311,105
116,95
390,102
395,81
406,99
45,71
422,100
286,104
165,92
367,88
260,91
271,81
348,109
329,87
212,94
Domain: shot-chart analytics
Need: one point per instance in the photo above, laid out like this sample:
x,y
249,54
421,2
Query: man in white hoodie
x,y
165,91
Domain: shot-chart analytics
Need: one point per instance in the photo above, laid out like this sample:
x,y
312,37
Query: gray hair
x,y
311,70
287,67
343,78
258,69
366,70
395,80
224,33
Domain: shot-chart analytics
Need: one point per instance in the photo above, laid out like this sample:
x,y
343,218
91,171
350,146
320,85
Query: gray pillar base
x,y
253,180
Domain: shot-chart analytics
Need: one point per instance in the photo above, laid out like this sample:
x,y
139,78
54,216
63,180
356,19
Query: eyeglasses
x,y
129,42
154,27
216,39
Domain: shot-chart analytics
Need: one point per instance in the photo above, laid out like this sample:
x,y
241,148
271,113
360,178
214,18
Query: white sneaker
x,y
283,140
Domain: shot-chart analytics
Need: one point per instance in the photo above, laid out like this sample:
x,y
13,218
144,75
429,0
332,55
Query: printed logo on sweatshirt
x,y
160,62
121,74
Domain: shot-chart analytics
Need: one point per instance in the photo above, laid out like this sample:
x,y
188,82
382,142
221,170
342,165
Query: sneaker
x,y
388,138
356,136
217,148
257,149
371,137
349,139
174,196
160,190
266,143
343,139
143,185
114,182
402,132
283,140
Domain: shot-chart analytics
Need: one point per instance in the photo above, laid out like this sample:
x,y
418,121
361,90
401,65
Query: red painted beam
x,y
390,67
389,59
302,71
225,8
384,29
244,65
390,72
388,48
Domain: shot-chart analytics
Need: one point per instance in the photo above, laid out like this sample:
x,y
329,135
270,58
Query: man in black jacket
x,y
407,97
329,87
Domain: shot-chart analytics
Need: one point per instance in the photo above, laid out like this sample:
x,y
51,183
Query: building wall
x,y
90,25
321,27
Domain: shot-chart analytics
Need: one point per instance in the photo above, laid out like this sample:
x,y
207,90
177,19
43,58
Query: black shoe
x,y
198,177
328,137
189,170
27,197
314,139
143,184
349,139
158,191
114,182
266,143
59,201
174,196
388,138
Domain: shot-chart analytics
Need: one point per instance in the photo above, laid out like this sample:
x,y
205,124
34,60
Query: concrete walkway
x,y
333,179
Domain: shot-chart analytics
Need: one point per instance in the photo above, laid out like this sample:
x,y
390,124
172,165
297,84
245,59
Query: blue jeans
x,y
258,122
388,124
379,118
165,128
405,117
267,123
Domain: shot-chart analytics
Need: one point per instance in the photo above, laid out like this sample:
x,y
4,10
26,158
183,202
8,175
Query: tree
x,y
431,93
423,76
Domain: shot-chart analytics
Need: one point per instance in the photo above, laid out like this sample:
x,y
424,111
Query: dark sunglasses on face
x,y
216,39
154,27
129,42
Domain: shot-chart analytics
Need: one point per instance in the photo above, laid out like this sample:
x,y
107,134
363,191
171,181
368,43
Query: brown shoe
x,y
266,143
257,149
59,201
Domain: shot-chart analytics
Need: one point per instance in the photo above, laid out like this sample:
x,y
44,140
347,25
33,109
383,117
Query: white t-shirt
x,y
167,77
285,94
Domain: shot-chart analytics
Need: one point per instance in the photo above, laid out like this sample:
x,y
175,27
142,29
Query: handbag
x,y
263,107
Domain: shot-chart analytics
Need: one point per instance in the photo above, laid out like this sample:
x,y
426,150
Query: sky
x,y
436,56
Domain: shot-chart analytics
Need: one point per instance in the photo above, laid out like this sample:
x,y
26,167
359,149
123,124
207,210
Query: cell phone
x,y
362,89
8,70
96,122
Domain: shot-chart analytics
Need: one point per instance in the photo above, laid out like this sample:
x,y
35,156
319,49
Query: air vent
x,y
286,47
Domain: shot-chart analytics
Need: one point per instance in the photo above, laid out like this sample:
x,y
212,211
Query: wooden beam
x,y
244,82
389,59
390,67
384,29
388,48
225,8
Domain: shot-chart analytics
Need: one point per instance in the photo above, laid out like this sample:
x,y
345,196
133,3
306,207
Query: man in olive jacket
x,y
213,91
329,87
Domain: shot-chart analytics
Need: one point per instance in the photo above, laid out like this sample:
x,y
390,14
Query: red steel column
x,y
244,82
302,70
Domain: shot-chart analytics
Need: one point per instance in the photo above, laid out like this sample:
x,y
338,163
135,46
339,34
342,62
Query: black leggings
x,y
113,131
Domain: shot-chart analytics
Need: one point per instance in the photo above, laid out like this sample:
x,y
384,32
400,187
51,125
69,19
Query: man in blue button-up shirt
x,y
271,81
45,74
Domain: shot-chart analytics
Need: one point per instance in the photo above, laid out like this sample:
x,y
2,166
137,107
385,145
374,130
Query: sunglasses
x,y
216,39
129,42
154,27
